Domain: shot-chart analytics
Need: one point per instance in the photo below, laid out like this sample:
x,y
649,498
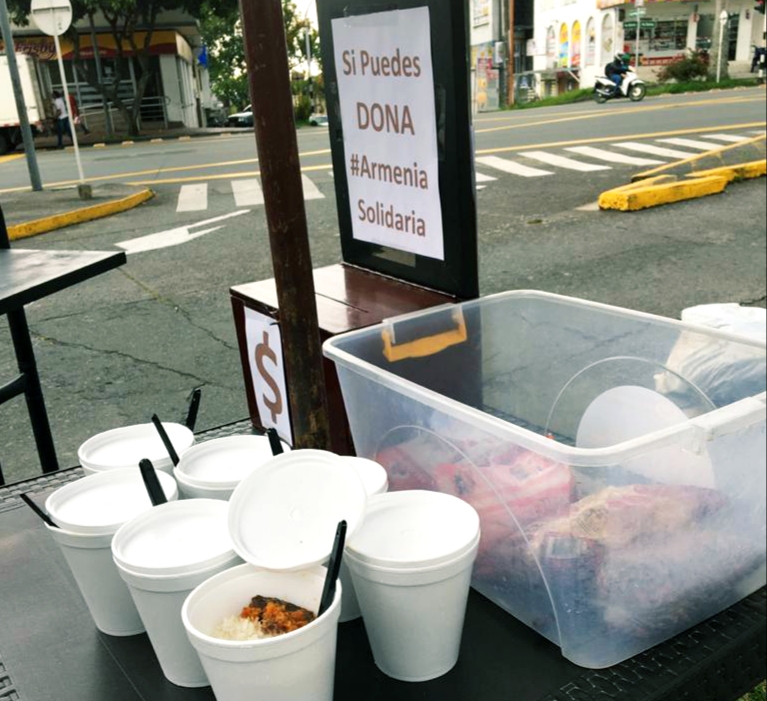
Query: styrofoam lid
x,y
372,474
284,515
414,528
224,462
126,446
175,538
101,503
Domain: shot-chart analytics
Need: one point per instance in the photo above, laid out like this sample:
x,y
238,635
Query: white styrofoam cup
x,y
296,666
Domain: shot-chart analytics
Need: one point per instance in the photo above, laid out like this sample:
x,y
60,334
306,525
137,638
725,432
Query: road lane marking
x,y
729,138
690,143
175,236
247,193
612,157
11,157
562,161
511,167
653,150
482,178
311,191
611,139
193,198
610,114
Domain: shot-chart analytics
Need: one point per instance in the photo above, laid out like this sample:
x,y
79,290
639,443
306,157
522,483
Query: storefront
x,y
177,89
577,40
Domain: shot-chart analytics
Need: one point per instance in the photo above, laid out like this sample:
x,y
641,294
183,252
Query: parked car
x,y
241,119
318,120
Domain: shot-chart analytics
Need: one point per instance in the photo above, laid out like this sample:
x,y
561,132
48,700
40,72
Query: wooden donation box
x,y
348,298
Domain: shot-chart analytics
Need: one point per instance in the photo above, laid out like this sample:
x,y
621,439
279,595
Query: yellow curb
x,y
643,195
101,145
77,216
127,143
11,157
698,157
741,171
184,138
155,141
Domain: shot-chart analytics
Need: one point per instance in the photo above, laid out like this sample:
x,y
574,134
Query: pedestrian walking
x,y
74,112
62,119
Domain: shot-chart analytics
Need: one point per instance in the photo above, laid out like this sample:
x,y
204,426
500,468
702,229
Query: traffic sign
x,y
52,17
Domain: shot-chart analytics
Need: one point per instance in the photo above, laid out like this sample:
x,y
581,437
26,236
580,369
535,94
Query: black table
x,y
26,276
50,649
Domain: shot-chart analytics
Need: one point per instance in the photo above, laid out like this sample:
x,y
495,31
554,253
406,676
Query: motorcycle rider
x,y
616,69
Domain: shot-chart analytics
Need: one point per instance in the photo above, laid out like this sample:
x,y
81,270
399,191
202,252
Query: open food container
x,y
616,458
282,518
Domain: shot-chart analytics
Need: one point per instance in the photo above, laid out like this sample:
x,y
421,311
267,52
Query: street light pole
x,y
21,107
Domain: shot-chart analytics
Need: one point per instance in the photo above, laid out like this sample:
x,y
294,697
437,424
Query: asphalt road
x,y
135,341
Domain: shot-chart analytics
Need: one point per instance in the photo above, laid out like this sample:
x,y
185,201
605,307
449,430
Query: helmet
x,y
625,58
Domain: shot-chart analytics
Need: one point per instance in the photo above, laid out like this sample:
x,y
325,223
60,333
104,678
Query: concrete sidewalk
x,y
30,213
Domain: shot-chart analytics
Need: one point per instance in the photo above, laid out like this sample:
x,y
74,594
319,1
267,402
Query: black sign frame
x,y
458,273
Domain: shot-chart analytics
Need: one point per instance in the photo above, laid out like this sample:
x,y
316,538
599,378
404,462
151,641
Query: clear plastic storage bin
x,y
616,459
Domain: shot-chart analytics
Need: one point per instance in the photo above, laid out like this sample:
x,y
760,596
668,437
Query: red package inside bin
x,y
514,486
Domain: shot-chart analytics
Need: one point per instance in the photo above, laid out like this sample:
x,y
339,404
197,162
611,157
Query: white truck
x,y
34,98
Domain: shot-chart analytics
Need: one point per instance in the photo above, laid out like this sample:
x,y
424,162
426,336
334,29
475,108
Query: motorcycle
x,y
631,87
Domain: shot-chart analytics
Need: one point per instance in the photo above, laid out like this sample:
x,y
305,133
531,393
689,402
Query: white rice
x,y
238,628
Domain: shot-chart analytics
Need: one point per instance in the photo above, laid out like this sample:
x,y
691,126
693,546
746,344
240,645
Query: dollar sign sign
x,y
263,350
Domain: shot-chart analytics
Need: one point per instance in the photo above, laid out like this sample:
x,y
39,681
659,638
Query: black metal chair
x,y
28,381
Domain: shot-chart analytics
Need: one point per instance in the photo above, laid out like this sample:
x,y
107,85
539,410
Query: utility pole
x,y
716,67
510,72
21,106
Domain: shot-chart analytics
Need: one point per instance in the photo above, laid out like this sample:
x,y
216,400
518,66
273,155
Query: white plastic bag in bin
x,y
723,371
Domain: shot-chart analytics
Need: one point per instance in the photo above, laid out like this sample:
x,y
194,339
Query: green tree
x,y
126,19
222,32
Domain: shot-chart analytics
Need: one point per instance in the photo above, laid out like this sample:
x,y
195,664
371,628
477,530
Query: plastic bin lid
x,y
175,538
102,502
414,528
224,462
126,446
284,515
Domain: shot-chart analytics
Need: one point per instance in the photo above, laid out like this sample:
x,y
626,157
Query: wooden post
x,y
269,78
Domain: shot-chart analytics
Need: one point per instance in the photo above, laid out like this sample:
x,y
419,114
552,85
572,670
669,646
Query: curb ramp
x,y
701,175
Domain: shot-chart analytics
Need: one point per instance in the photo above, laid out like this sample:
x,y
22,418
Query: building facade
x,y
577,38
178,92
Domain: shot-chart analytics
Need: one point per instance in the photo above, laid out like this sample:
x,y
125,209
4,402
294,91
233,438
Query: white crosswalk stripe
x,y
612,157
247,193
482,178
730,138
311,191
512,167
193,198
652,150
690,143
553,159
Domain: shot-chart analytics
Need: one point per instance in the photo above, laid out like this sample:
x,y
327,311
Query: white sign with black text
x,y
386,90
268,372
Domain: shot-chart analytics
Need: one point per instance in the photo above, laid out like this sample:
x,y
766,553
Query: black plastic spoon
x,y
166,441
151,482
274,441
194,406
334,566
47,519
